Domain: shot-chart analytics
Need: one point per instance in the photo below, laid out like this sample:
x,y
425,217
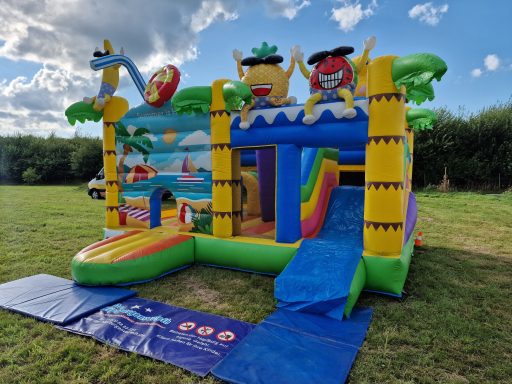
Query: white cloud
x,y
36,106
285,8
204,161
351,13
477,72
209,12
60,35
151,137
428,13
195,138
492,62
175,166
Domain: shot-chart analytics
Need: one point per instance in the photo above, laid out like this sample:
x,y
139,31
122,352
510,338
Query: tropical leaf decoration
x,y
82,112
198,99
420,118
416,72
421,93
203,221
138,140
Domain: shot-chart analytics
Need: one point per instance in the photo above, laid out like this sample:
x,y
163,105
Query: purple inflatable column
x,y
266,167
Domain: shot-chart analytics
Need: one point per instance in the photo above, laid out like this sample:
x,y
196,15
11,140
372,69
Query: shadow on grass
x,y
454,325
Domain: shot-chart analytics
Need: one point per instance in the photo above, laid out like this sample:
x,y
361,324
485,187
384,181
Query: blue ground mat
x,y
191,340
318,278
57,300
296,347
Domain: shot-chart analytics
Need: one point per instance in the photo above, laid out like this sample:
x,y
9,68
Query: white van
x,y
96,187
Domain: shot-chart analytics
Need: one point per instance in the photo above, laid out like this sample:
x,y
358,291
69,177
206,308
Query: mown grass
x,y
454,325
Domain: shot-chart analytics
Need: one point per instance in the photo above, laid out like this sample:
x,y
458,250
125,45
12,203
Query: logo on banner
x,y
226,336
187,326
205,330
130,314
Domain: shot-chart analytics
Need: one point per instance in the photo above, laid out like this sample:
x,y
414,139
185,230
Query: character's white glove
x,y
369,43
297,54
237,55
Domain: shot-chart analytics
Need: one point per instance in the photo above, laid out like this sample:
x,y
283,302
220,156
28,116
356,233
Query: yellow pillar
x,y
113,111
222,191
385,169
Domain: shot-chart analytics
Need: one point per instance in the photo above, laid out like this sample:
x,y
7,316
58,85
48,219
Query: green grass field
x,y
453,326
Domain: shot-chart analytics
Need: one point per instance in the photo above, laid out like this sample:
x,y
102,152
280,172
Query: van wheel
x,y
95,194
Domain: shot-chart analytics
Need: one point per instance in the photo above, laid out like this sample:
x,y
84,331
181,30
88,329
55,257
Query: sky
x,y
45,46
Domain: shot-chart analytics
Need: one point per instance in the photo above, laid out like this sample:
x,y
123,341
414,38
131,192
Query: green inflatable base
x,y
356,287
244,256
388,275
136,270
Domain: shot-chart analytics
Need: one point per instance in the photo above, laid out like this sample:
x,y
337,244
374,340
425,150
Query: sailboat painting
x,y
188,167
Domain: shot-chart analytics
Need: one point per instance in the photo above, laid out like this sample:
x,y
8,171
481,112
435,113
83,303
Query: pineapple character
x,y
269,82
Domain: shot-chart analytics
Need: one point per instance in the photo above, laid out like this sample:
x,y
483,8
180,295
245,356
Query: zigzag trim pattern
x,y
221,146
109,152
111,183
385,184
224,182
376,225
109,124
228,214
218,112
386,139
111,208
388,96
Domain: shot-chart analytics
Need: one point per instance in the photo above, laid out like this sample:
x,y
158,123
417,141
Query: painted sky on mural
x,y
45,46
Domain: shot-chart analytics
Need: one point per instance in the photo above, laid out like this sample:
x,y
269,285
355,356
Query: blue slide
x,y
304,341
319,277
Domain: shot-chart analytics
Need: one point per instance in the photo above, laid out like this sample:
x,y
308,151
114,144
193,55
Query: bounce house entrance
x,y
162,209
259,195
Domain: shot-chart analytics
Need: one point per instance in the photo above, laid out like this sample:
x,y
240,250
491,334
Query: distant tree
x,y
30,176
86,159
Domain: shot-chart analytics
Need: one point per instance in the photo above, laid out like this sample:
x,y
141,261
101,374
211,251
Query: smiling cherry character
x,y
333,77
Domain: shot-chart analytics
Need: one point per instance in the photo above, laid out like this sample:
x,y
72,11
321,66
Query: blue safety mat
x,y
318,278
191,340
296,347
57,300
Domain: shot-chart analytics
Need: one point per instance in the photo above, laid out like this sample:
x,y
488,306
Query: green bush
x,y
476,150
30,176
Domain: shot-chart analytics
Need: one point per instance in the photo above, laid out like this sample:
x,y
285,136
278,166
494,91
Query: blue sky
x,y
45,49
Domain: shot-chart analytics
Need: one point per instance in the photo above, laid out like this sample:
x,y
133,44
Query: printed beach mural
x,y
169,153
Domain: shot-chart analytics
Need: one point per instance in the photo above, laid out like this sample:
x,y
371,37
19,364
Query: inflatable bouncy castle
x,y
256,175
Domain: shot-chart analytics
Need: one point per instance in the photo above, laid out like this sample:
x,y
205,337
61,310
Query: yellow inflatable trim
x,y
307,208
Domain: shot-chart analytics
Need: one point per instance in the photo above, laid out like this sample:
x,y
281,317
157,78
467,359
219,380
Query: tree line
x,y
49,160
476,151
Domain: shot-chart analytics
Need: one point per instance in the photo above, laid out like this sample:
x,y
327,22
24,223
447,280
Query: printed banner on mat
x,y
191,340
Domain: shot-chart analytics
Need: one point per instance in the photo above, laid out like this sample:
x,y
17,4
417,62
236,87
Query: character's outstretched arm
x,y
237,55
368,44
299,57
291,68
